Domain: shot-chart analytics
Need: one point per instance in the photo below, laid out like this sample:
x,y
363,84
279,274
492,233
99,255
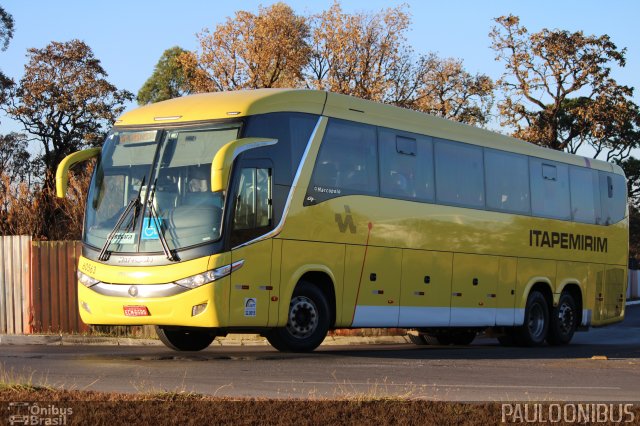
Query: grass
x,y
12,381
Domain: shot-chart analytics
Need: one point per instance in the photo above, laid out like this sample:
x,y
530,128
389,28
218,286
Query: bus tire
x,y
186,338
307,321
564,321
536,321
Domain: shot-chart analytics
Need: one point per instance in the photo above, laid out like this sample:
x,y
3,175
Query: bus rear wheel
x,y
564,321
536,321
307,324
185,338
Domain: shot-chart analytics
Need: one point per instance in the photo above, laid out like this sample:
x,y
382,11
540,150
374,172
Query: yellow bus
x,y
290,213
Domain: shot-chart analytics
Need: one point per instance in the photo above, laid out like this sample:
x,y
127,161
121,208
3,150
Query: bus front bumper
x,y
127,305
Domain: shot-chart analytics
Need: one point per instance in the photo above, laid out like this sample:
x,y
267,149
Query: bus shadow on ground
x,y
491,351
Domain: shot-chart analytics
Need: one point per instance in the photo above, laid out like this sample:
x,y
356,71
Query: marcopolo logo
x,y
38,413
567,413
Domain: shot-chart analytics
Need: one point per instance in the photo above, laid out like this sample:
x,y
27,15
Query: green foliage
x,y
6,34
168,79
6,28
631,167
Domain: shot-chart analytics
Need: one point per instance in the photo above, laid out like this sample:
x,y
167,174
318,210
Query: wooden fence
x,y
38,289
38,286
15,277
54,297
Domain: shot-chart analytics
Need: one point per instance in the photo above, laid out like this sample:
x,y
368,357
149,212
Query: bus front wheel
x,y
185,338
307,322
536,321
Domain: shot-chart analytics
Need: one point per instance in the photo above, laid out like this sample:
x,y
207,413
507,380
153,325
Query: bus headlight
x,y
209,276
86,280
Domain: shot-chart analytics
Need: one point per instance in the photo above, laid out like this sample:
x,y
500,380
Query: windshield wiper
x,y
171,255
135,202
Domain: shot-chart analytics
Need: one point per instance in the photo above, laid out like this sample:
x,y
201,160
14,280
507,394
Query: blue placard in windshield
x,y
150,228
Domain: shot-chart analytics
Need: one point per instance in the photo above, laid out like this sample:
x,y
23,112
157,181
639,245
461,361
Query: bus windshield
x,y
154,183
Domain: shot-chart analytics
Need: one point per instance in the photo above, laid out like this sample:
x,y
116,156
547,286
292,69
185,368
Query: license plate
x,y
136,311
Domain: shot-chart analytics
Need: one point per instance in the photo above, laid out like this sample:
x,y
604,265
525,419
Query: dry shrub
x,y
35,210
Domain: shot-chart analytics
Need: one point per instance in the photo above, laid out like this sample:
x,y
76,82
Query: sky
x,y
128,37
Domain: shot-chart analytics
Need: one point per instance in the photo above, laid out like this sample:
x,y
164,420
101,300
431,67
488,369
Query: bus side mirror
x,y
62,176
221,165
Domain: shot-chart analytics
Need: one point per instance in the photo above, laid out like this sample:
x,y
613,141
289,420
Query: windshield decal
x,y
150,228
124,238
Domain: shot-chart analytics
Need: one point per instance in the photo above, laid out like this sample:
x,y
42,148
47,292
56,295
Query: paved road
x,y
483,372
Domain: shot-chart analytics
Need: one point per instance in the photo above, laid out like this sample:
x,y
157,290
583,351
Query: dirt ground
x,y
30,405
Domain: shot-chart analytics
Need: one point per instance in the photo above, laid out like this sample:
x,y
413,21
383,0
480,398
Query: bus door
x,y
251,286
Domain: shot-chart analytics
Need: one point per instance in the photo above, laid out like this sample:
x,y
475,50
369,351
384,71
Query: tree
x,y
6,34
447,90
559,92
250,51
15,160
631,167
168,79
363,55
610,125
6,28
64,101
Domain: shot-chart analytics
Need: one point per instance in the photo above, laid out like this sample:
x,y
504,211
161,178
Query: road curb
x,y
70,340
229,340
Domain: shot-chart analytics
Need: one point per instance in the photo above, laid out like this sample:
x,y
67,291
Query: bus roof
x,y
223,105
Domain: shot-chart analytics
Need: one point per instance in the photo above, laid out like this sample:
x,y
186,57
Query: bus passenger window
x,y
406,166
347,163
585,195
459,174
507,177
613,193
549,189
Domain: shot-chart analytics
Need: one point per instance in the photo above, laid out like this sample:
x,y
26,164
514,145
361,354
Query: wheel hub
x,y
566,318
303,317
536,321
